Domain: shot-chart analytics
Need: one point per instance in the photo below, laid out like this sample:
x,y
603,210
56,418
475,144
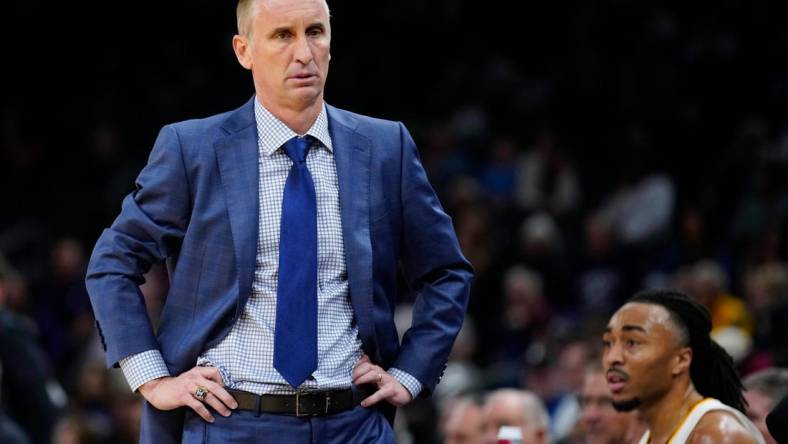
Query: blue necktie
x,y
295,338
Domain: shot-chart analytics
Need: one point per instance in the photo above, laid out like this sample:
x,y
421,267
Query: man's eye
x,y
605,343
632,343
282,35
314,32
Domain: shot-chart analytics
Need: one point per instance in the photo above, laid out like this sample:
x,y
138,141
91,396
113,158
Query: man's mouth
x,y
616,380
302,76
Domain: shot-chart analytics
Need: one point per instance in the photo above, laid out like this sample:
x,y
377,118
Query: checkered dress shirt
x,y
245,356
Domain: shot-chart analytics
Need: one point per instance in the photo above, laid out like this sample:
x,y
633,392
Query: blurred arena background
x,y
584,150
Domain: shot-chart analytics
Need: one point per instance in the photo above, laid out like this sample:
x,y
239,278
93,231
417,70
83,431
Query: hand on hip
x,y
197,389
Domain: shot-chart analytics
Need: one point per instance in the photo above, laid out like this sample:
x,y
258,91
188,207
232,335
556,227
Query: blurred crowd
x,y
584,151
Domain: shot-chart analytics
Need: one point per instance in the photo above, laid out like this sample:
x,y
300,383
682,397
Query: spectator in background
x,y
767,297
26,384
17,291
62,309
600,422
692,242
567,377
461,376
542,250
498,176
764,390
462,422
599,282
9,429
93,400
641,212
538,364
730,319
524,318
71,429
127,411
762,213
517,408
546,179
472,223
709,286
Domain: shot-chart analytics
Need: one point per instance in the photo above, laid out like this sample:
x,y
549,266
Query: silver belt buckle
x,y
298,403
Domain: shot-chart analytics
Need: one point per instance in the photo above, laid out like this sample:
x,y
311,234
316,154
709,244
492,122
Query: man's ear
x,y
242,51
683,360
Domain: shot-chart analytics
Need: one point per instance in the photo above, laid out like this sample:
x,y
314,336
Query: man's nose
x,y
612,356
303,52
591,414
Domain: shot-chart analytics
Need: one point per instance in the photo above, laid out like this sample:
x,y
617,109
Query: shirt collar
x,y
272,133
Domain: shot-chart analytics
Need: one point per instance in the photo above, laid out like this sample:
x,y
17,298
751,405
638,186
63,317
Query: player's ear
x,y
683,360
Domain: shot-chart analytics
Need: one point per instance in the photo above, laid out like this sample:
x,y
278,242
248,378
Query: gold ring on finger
x,y
200,393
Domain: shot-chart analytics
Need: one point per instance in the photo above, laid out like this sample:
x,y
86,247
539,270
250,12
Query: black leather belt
x,y
303,404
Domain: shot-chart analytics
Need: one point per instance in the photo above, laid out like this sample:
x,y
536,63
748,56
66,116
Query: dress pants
x,y
358,425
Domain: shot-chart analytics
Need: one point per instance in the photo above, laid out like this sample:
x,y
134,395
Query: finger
x,y
363,363
217,404
381,394
201,410
362,373
366,367
221,394
371,377
363,360
211,373
362,367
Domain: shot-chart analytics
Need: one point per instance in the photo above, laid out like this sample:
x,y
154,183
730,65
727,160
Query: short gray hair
x,y
532,407
244,12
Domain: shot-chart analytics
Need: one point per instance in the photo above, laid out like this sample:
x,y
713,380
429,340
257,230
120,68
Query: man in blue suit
x,y
286,225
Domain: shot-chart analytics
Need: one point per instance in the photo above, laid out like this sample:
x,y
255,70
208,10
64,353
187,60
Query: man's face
x,y
759,407
506,411
463,425
602,424
287,51
642,354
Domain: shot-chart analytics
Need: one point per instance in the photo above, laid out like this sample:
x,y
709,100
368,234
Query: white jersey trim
x,y
691,421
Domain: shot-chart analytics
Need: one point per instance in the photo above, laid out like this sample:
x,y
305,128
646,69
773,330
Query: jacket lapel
x,y
352,155
237,156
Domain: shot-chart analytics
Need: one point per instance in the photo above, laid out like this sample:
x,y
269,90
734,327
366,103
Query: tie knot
x,y
297,147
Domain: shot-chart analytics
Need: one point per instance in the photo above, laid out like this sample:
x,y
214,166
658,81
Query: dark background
x,y
695,92
690,74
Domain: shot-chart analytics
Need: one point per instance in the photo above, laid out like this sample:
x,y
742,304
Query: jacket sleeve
x,y
435,268
150,228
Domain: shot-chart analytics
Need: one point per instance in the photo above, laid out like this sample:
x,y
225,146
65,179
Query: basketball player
x,y
661,361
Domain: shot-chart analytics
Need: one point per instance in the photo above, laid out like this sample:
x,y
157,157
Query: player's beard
x,y
627,405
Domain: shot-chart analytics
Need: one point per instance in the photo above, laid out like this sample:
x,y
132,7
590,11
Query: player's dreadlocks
x,y
712,370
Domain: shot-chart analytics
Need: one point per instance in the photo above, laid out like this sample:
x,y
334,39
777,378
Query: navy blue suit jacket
x,y
196,205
